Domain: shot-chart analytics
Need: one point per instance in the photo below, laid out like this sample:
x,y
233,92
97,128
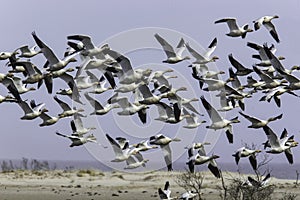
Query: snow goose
x,y
206,57
88,49
189,195
132,163
69,92
245,152
197,145
98,108
185,103
269,82
276,62
48,120
100,87
27,52
79,140
192,120
202,71
67,110
283,137
34,75
166,192
263,57
53,62
8,82
121,154
33,111
148,97
124,88
7,55
201,158
144,146
279,146
168,114
84,82
259,183
266,21
131,109
173,57
234,29
241,70
127,75
226,103
78,128
20,86
7,98
164,143
276,93
259,123
219,122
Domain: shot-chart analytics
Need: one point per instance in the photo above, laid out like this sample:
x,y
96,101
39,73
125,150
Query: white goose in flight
x,y
67,110
164,143
27,52
98,108
173,57
79,140
245,152
279,146
234,29
48,120
165,194
201,158
267,22
33,111
206,57
78,128
121,154
259,123
53,62
219,122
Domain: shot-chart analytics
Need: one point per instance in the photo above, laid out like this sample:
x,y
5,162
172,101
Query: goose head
x,y
215,156
70,70
246,28
72,60
295,67
280,57
186,58
214,58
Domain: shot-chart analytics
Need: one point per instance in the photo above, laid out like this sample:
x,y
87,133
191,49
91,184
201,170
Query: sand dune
x,y
92,184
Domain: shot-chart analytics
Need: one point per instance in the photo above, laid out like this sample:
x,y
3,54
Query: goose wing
x,y
231,22
144,89
48,53
25,107
116,147
289,155
167,156
212,166
93,102
250,118
86,40
237,64
168,49
272,137
211,48
253,161
271,28
194,53
211,111
62,104
9,84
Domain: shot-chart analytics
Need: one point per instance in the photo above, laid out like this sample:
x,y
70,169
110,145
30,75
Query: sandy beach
x,y
92,184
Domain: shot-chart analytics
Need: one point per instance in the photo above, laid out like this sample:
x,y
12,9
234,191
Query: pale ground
x,y
67,185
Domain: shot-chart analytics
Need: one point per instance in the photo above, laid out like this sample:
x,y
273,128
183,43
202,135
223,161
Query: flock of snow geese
x,y
153,88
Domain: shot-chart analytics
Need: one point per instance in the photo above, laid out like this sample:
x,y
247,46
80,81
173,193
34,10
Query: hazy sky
x,y
54,21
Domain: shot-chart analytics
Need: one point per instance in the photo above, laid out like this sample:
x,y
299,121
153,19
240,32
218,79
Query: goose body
x,y
245,152
234,29
163,142
259,123
219,122
33,111
79,140
172,56
267,22
206,58
279,146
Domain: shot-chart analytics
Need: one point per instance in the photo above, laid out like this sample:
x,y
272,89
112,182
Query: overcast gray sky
x,y
53,21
